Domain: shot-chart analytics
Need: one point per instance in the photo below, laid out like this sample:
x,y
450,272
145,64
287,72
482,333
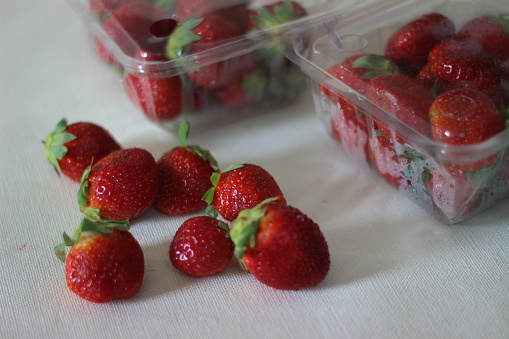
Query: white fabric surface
x,y
396,272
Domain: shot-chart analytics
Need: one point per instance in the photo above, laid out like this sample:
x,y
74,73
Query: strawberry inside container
x,y
202,61
418,92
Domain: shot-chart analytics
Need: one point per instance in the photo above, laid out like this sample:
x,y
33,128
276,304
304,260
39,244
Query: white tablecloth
x,y
396,272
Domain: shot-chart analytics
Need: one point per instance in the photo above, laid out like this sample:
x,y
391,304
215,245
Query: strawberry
x,y
129,27
103,8
72,148
356,72
491,33
240,187
160,97
452,191
201,247
244,91
120,186
410,45
280,246
462,64
386,160
185,177
198,34
266,18
464,117
403,97
105,262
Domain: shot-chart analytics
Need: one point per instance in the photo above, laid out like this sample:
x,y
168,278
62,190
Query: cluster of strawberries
x,y
448,85
183,48
277,243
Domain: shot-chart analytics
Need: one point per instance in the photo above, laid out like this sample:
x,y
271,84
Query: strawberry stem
x,y
54,148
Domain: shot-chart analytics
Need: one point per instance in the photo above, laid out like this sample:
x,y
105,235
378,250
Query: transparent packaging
x,y
203,61
396,85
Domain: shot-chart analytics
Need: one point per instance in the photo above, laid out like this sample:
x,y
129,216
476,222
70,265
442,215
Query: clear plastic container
x,y
418,121
203,61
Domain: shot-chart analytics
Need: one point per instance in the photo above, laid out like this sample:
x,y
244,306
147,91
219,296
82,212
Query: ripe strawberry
x,y
491,33
194,35
462,64
105,262
201,247
243,91
240,187
404,97
452,191
280,246
72,148
266,18
120,186
103,8
160,97
356,72
185,177
410,45
464,117
129,27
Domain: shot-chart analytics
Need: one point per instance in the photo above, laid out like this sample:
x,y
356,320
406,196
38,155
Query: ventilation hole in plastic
x,y
351,43
162,28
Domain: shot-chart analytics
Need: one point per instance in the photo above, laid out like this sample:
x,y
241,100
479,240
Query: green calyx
x,y
244,228
54,148
87,225
378,65
183,134
208,197
182,37
280,14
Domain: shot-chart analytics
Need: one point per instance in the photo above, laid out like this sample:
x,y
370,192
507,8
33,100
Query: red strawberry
x,y
120,186
185,173
280,246
452,191
244,91
386,159
201,247
404,97
464,117
185,8
160,97
105,262
72,148
491,33
194,35
356,72
129,27
266,18
462,64
103,8
410,45
240,187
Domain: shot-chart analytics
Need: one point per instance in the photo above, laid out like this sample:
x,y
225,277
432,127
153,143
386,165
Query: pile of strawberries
x,y
245,215
447,84
183,50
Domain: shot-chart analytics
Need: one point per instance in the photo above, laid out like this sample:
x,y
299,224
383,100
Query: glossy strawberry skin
x,y
242,188
185,178
124,184
489,34
92,143
464,117
290,251
201,247
410,45
160,97
102,267
213,31
405,98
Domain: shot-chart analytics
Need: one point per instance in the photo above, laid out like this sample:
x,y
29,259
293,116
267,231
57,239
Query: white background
x,y
396,272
